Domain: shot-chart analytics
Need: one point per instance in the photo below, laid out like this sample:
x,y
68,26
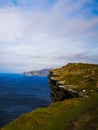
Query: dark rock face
x,y
59,93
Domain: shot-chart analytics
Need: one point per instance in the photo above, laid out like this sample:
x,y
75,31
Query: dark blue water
x,y
20,94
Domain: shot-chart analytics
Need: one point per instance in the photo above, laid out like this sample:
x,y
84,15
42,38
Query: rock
x,y
84,90
73,80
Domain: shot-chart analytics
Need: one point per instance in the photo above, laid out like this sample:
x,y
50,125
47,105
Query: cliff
x,y
69,82
73,80
43,72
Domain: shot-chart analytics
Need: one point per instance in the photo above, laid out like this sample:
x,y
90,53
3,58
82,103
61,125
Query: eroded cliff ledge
x,y
73,80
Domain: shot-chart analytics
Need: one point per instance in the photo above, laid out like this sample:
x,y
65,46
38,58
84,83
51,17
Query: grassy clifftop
x,y
70,114
77,76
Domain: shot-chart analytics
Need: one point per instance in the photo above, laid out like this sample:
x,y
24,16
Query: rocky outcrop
x,y
60,92
73,80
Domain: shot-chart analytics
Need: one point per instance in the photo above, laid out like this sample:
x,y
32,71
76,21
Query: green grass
x,y
60,116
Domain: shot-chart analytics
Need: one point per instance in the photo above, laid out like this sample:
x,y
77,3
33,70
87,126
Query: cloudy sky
x,y
37,34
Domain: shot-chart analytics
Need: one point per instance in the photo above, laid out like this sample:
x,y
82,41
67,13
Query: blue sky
x,y
37,34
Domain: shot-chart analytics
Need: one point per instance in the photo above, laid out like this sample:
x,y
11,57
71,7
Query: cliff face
x,y
43,72
73,80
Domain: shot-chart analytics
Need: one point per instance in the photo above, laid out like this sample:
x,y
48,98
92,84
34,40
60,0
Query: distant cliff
x,y
43,72
73,80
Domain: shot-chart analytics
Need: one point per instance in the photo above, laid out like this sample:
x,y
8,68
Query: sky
x,y
39,34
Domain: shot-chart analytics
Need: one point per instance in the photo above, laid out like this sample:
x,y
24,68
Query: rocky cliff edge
x,y
73,80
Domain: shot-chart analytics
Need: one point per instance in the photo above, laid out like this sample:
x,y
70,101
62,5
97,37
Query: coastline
x,y
66,110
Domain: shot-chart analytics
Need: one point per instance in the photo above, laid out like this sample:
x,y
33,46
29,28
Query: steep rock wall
x,y
58,93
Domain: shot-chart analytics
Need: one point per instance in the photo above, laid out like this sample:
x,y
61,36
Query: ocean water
x,y
21,94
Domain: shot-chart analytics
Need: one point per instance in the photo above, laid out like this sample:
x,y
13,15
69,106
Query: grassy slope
x,y
74,114
71,114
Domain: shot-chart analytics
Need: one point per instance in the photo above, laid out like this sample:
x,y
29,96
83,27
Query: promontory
x,y
74,101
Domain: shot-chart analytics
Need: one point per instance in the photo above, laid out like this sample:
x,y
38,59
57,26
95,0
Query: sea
x,y
20,94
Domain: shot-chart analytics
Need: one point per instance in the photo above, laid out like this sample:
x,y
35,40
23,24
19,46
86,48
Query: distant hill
x,y
43,72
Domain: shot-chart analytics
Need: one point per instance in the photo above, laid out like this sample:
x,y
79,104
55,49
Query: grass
x,y
78,113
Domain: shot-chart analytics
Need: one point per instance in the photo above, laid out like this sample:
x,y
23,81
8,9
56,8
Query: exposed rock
x,y
73,80
60,92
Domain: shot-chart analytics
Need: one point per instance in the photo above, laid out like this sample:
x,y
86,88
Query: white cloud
x,y
10,25
35,38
